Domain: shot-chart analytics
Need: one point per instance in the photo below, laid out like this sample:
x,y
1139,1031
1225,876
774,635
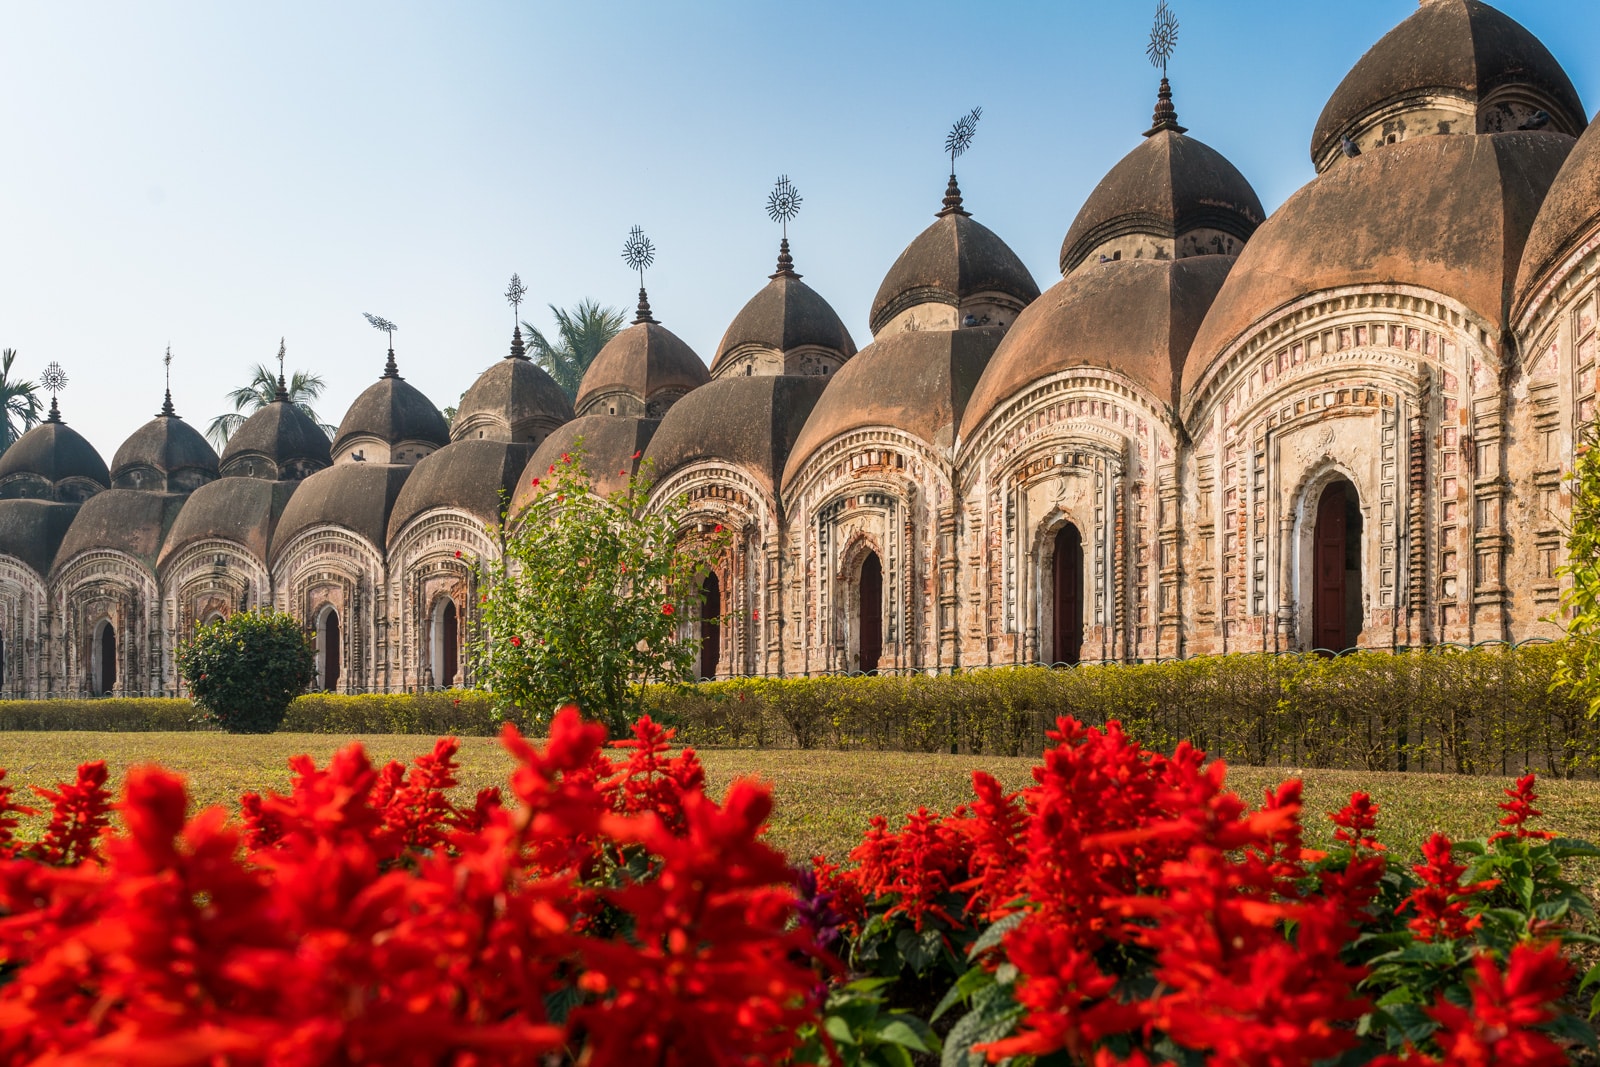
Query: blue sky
x,y
218,175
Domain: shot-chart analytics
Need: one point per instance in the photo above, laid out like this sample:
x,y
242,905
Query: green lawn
x,y
823,798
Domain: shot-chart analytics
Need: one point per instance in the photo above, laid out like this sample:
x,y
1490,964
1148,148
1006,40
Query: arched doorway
x,y
445,660
710,629
104,659
1336,602
1066,583
871,613
328,649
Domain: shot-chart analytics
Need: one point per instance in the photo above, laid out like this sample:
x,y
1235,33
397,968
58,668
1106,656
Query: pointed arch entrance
x,y
1336,595
446,651
870,613
104,659
1066,585
328,645
710,629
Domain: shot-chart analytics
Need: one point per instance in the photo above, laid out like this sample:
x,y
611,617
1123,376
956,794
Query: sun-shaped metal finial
x,y
54,379
783,203
1163,37
959,139
514,294
381,324
638,252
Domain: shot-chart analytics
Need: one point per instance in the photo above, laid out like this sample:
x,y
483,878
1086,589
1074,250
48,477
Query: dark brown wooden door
x,y
1067,602
871,612
108,659
710,632
451,639
1328,594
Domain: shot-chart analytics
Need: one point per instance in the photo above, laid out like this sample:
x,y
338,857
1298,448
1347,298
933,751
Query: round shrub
x,y
242,671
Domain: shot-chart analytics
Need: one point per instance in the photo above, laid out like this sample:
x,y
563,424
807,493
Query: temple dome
x,y
641,372
474,476
353,496
513,401
166,454
1453,66
953,269
1170,198
1570,213
130,521
243,511
786,328
916,382
747,422
32,530
1456,213
390,422
610,445
1137,318
279,443
52,461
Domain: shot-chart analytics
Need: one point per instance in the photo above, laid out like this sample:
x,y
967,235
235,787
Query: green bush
x,y
243,670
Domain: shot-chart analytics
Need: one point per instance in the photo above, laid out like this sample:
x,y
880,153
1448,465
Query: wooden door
x,y
710,631
108,659
1067,598
330,653
1328,593
871,628
451,639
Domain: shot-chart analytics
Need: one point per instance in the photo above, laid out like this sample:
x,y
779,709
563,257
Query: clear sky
x,y
218,175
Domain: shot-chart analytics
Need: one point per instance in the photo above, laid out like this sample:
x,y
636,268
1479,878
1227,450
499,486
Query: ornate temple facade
x,y
1343,425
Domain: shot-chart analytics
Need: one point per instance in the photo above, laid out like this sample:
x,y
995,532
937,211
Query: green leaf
x,y
963,989
900,1031
993,1016
995,933
919,950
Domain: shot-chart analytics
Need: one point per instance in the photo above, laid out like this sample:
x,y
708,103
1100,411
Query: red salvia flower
x,y
1357,823
1519,810
666,609
1440,903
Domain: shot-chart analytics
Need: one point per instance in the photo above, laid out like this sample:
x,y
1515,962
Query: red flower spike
x,y
1440,903
458,553
637,454
1357,822
534,484
1519,810
666,609
516,642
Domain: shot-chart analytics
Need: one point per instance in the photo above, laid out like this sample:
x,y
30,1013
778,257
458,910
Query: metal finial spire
x,y
166,407
1163,40
956,142
1163,37
283,388
54,379
783,204
639,253
390,369
514,294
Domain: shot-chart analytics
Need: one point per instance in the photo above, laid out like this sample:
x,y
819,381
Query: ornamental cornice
x,y
1042,393
1565,281
1352,305
829,465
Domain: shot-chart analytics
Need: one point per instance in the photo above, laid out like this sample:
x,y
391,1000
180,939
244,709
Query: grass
x,y
823,798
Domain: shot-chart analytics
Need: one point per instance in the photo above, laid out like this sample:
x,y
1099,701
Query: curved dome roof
x,y
392,410
747,422
165,454
610,444
1451,46
514,400
785,315
918,382
1570,212
640,362
1168,186
1135,317
32,531
355,496
279,441
1456,211
466,475
122,520
52,461
952,260
242,510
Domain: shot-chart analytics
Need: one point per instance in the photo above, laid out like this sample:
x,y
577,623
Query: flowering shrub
x,y
580,607
1124,909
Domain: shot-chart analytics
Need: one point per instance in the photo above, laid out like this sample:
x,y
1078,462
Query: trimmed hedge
x,y
1468,711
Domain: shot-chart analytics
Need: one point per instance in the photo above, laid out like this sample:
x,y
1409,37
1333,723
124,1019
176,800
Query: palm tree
x,y
18,400
303,388
580,335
